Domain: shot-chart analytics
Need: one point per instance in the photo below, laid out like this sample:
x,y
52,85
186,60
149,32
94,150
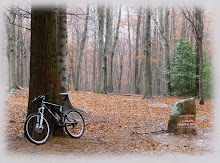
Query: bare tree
x,y
136,82
108,46
167,87
116,37
81,49
12,49
196,22
101,46
147,51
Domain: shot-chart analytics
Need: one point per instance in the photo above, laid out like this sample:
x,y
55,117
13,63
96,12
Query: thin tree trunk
x,y
142,65
94,65
137,91
19,51
161,58
101,47
108,47
110,86
199,26
12,50
120,72
129,57
167,87
81,49
147,51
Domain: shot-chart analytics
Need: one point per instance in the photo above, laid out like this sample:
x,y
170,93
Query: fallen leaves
x,y
114,124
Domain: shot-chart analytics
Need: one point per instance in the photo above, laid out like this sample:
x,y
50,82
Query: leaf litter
x,y
115,124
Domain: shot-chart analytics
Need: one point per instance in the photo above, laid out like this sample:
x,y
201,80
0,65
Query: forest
x,y
107,50
122,60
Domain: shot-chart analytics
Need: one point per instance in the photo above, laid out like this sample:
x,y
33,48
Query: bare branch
x,y
189,18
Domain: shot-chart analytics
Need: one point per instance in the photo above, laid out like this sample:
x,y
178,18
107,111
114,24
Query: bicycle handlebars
x,y
40,97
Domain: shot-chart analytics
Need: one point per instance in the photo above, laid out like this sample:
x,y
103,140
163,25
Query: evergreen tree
x,y
183,70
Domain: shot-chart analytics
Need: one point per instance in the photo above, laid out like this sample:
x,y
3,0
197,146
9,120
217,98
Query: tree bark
x,y
136,85
107,49
12,50
167,87
101,47
199,51
62,48
147,51
20,62
94,64
44,76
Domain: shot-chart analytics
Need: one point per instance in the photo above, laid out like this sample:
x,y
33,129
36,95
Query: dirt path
x,y
116,125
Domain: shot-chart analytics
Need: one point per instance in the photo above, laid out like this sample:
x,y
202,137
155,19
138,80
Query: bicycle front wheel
x,y
35,133
74,124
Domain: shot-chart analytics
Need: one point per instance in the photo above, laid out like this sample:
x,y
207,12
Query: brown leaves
x,y
116,124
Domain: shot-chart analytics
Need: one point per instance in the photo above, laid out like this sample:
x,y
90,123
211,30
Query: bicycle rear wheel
x,y
34,133
74,124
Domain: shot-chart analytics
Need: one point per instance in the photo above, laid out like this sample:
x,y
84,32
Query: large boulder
x,y
182,117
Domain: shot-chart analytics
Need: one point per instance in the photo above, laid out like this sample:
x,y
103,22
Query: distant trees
x,y
117,49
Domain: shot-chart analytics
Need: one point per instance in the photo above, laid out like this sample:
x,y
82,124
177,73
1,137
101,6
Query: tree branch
x,y
190,20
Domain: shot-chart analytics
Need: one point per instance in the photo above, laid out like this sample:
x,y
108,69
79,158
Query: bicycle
x,y
37,127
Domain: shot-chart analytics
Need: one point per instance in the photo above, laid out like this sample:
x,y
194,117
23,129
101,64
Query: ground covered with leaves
x,y
115,124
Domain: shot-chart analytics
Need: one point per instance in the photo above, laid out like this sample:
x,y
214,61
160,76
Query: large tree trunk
x,y
110,84
147,53
62,48
44,76
81,49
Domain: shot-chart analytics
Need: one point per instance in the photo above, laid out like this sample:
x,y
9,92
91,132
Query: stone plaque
x,y
182,117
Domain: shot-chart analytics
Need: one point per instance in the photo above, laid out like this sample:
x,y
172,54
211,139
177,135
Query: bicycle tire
x,y
34,134
74,124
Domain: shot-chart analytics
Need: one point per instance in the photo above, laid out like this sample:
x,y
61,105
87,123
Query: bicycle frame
x,y
44,106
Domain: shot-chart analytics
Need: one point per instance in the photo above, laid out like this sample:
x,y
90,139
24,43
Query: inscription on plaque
x,y
186,120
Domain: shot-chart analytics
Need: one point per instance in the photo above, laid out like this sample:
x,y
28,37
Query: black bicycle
x,y
37,127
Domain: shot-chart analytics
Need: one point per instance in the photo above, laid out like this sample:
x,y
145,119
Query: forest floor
x,y
116,124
